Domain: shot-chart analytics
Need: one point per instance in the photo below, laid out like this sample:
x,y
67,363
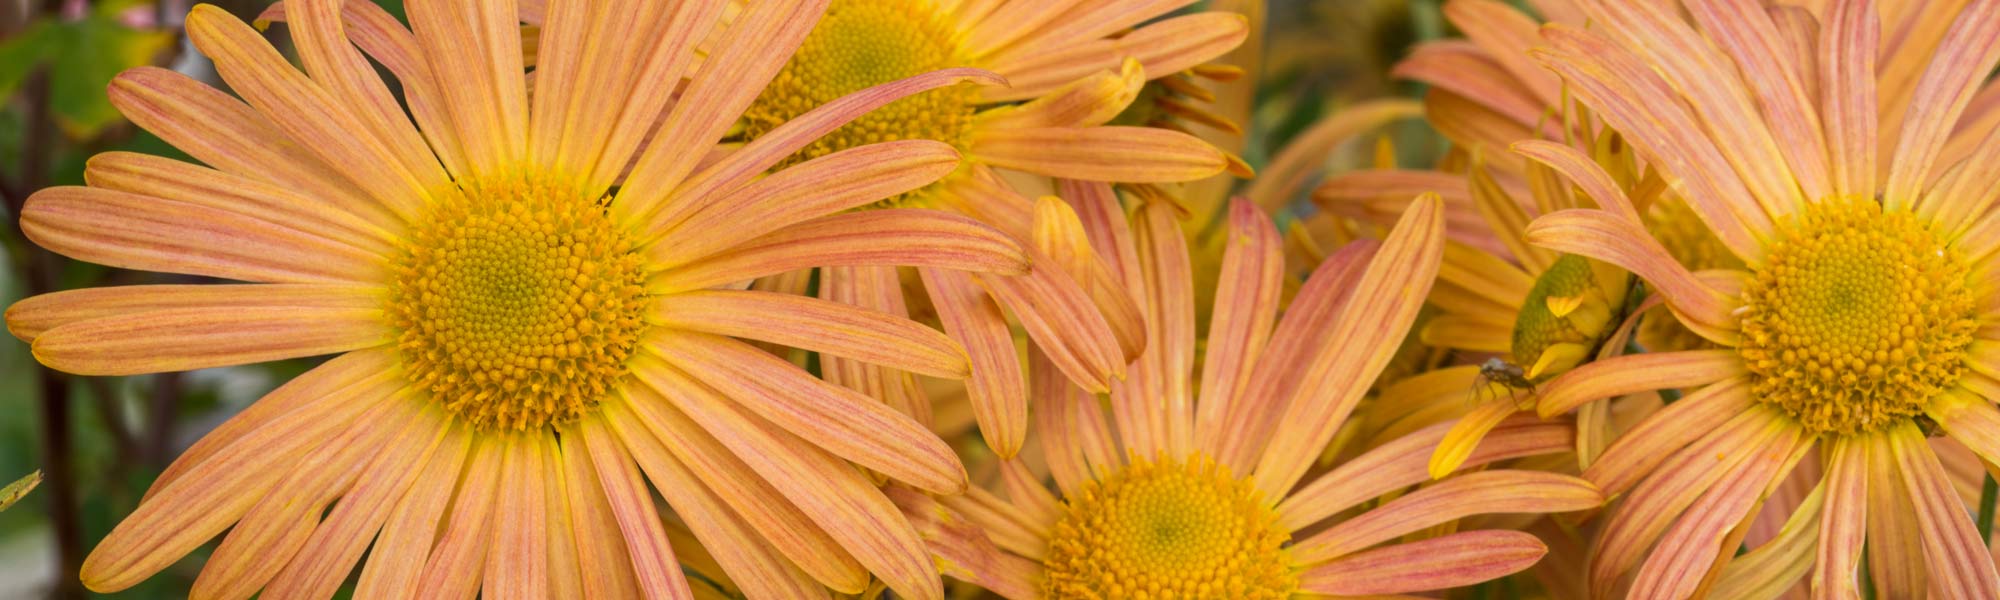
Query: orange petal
x,y
1506,218
996,24
1059,234
155,234
767,513
396,560
1602,235
32,317
1280,180
963,550
1789,104
1112,153
182,339
1583,171
212,494
1776,567
1007,525
1165,369
842,421
1849,43
884,237
877,290
1485,492
1162,48
1959,564
169,179
1465,69
304,111
223,132
1689,550
1506,34
837,497
1089,101
1635,455
1076,439
564,565
606,73
815,325
749,559
645,538
1363,340
1246,306
319,34
1958,68
823,186
1455,560
999,399
475,51
1063,318
1402,462
1621,375
517,564
601,559
1841,530
1466,433
458,561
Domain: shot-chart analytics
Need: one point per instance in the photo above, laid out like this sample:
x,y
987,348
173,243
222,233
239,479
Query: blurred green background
x,y
99,441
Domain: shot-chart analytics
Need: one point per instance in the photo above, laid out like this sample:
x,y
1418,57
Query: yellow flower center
x,y
1688,240
517,301
864,43
1858,318
1566,316
1168,530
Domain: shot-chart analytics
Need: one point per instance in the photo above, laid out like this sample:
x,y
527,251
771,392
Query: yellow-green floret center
x,y
517,302
1157,530
1857,319
1566,316
1694,245
863,43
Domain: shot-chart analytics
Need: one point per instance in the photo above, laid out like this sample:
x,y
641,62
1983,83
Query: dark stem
x,y
160,423
112,413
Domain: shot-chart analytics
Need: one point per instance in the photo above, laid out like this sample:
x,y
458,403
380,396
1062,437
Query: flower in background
x,y
1835,167
517,344
1190,491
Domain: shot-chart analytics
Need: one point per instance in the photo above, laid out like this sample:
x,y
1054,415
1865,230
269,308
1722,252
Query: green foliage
x,y
81,57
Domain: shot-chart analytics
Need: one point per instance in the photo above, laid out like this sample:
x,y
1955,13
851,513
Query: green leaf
x,y
20,54
20,488
96,49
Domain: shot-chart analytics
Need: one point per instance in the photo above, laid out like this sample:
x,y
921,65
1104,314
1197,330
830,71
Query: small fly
x,y
1512,377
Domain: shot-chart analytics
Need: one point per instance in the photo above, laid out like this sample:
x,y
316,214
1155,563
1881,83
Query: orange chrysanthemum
x,y
1187,493
519,342
1861,314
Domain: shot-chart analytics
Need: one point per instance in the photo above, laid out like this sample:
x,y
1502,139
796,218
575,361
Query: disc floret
x,y
517,302
1169,529
1858,318
1567,315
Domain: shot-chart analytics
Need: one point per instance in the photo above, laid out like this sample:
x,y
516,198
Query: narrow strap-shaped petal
x,y
1777,566
319,33
1082,21
1439,563
769,516
606,112
884,237
1603,77
645,538
475,51
1971,420
1246,307
1634,455
169,179
1003,522
564,565
971,317
601,558
1961,64
1745,30
1167,366
1581,170
1401,463
1281,179
879,290
1467,431
457,564
1506,35
842,421
1028,494
303,110
1606,237
1077,439
816,325
1307,322
1689,550
735,70
1089,101
1162,48
826,185
396,559
1008,21
1959,564
517,564
964,551
184,339
1363,339
1836,570
327,558
156,234
837,497
1508,220
750,561
1895,552
1059,234
1111,153
32,317
223,132
1485,492
1064,319
1621,375
274,530
212,494
1848,44
1466,69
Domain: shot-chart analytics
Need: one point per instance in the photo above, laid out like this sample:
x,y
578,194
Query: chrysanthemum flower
x,y
1190,494
518,342
1072,66
1862,314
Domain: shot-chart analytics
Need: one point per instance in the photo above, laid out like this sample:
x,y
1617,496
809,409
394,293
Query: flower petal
x,y
1061,316
842,421
1166,368
1439,563
1683,558
1077,441
396,559
1583,171
601,559
995,389
1959,564
1603,235
1246,307
156,234
1281,179
1506,34
183,339
884,237
963,550
1466,433
1635,455
1849,45
319,34
517,564
1402,463
1841,531
475,51
1484,492
1777,566
645,538
1112,153
1466,69
458,561
169,179
1758,46
815,325
32,317
1089,101
878,290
